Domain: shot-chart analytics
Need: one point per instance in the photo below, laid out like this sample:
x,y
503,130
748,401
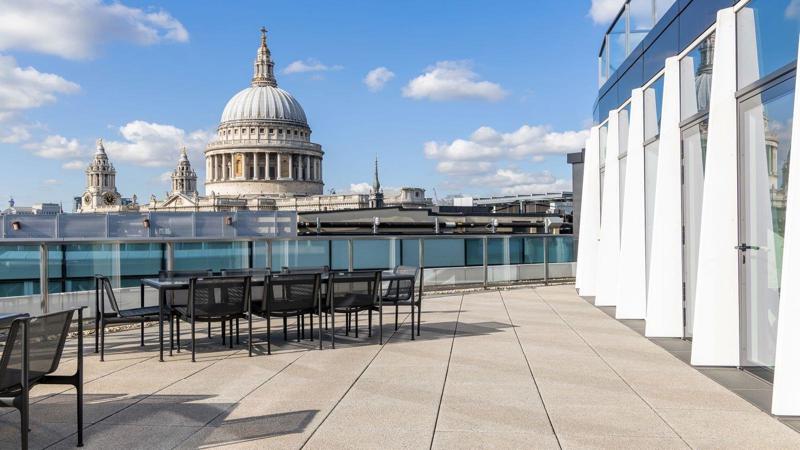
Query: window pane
x,y
767,38
617,41
766,127
693,144
696,69
652,108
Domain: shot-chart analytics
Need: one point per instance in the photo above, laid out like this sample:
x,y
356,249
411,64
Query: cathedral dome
x,y
264,103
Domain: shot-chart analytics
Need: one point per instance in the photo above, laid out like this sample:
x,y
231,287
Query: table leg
x,y
141,301
161,298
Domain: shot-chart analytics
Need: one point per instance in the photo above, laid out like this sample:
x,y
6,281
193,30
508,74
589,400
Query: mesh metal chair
x,y
401,292
180,297
308,270
256,280
32,352
103,318
217,299
352,292
287,295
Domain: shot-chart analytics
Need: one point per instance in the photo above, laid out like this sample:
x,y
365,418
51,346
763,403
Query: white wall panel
x,y
665,277
632,288
716,320
608,253
589,232
786,387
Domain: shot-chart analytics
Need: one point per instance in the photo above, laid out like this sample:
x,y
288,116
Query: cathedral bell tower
x,y
101,190
184,179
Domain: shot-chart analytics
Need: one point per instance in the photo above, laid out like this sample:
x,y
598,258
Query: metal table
x,y
177,284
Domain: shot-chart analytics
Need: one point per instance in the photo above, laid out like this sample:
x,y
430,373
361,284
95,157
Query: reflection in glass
x,y
617,44
624,127
696,70
650,174
766,38
653,96
693,146
765,127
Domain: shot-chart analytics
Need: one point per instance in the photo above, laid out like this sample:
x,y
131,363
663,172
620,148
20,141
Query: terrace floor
x,y
534,367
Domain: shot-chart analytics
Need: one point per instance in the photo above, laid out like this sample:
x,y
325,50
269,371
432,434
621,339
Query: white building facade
x,y
691,202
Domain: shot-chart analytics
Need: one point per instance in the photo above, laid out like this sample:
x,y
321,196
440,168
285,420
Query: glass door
x,y
693,158
765,127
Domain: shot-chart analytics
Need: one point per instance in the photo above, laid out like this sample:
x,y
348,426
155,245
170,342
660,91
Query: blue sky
x,y
473,97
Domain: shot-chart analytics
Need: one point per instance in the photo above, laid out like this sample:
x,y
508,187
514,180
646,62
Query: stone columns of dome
x,y
279,166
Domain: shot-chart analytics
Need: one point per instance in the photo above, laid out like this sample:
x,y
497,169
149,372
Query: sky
x,y
456,96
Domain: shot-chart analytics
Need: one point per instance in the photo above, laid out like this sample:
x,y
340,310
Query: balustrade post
x,y
44,277
349,255
485,262
546,262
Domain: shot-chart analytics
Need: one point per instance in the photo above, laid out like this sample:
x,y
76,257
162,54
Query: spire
x,y
184,156
376,184
11,202
263,68
100,148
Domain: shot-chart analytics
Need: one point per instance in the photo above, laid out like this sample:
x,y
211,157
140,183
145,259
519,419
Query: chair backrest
x,y
169,274
306,269
211,295
403,289
104,290
359,288
46,337
291,291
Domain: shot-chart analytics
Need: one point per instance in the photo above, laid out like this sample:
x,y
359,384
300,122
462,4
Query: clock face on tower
x,y
109,198
87,199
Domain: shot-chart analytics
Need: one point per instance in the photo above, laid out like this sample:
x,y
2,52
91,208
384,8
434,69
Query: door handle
x,y
742,247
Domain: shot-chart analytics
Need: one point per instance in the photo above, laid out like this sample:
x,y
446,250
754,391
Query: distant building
x,y
101,193
37,209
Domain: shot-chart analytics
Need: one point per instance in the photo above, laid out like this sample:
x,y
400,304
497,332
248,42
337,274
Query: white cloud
x,y
451,80
25,88
51,182
153,144
308,65
512,181
14,134
360,188
377,78
487,144
604,11
792,9
57,147
74,29
165,177
463,167
74,165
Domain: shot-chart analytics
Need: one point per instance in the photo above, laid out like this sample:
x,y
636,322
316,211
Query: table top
x,y
183,283
7,318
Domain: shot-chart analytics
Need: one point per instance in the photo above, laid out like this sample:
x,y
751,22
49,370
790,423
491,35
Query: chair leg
x,y
24,422
302,319
356,323
250,334
96,332
237,331
230,333
311,326
396,315
209,330
171,338
285,329
222,328
79,380
419,316
141,336
178,333
193,352
269,335
369,323
102,339
299,319
326,320
347,324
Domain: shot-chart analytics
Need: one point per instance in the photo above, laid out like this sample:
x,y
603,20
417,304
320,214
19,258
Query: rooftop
x,y
500,368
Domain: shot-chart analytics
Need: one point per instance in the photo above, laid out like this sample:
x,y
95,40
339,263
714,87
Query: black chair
x,y
352,292
289,295
32,352
102,292
402,292
180,297
217,299
306,270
